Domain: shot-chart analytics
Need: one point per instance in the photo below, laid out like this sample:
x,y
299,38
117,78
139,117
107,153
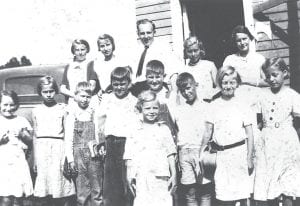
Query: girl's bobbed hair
x,y
13,95
80,41
47,80
227,71
240,29
106,36
145,96
276,62
190,41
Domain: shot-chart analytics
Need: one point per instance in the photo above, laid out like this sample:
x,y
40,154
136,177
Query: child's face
x,y
48,94
189,92
80,52
7,106
120,88
155,81
242,42
193,53
83,99
229,85
106,47
150,111
275,77
146,33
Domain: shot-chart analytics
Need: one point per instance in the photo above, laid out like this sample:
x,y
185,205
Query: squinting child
x,y
118,116
279,105
15,137
81,124
190,116
150,155
48,124
80,69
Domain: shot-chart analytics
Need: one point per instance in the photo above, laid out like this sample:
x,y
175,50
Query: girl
x,y
15,137
229,123
48,120
150,156
204,71
79,70
279,105
104,66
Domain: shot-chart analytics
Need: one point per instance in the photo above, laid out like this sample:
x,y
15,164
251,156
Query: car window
x,y
23,86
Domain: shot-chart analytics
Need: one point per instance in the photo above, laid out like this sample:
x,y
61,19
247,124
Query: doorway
x,y
212,21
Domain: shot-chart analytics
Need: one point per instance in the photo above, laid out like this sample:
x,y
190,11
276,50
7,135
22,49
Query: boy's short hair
x,y
155,66
47,80
276,62
145,96
80,41
106,36
12,94
183,78
83,86
190,41
226,71
121,73
145,21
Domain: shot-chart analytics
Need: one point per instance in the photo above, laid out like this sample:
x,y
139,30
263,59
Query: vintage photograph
x,y
150,103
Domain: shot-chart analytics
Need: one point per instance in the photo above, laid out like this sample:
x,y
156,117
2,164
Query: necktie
x,y
141,62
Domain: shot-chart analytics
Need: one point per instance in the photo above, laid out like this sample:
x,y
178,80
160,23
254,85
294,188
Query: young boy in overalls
x,y
80,134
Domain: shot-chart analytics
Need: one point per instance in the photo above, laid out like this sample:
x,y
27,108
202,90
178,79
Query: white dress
x,y
15,179
281,144
232,181
50,152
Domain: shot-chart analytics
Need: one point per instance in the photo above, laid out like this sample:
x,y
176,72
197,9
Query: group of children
x,y
129,143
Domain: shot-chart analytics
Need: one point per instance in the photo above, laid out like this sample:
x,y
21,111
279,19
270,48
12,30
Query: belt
x,y
217,147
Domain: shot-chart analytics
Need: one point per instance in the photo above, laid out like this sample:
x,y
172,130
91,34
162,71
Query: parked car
x,y
23,80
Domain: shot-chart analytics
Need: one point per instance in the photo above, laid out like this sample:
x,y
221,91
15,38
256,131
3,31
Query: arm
x,y
213,74
34,127
69,130
250,143
173,178
65,91
208,131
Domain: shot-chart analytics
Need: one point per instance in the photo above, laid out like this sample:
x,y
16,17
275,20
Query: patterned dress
x,y
281,144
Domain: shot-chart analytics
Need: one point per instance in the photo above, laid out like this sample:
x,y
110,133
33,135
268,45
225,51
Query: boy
x,y
189,116
155,74
80,133
118,116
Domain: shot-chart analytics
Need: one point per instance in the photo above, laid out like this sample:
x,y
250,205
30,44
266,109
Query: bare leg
x,y
287,201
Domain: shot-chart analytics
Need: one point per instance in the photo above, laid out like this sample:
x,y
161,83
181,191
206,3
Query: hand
x,y
72,166
250,165
172,184
4,139
132,186
102,151
34,169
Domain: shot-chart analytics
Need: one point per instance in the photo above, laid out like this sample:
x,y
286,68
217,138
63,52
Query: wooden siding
x,y
159,11
279,17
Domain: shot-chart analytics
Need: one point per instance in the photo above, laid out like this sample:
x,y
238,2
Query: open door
x,y
212,21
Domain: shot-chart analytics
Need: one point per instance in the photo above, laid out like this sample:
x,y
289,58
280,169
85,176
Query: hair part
x,y
145,21
121,74
77,42
13,95
183,79
145,96
47,80
190,41
227,71
104,37
276,62
83,87
155,66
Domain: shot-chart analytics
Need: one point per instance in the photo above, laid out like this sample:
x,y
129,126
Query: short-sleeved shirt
x,y
77,72
190,120
120,114
249,67
149,148
49,120
229,119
